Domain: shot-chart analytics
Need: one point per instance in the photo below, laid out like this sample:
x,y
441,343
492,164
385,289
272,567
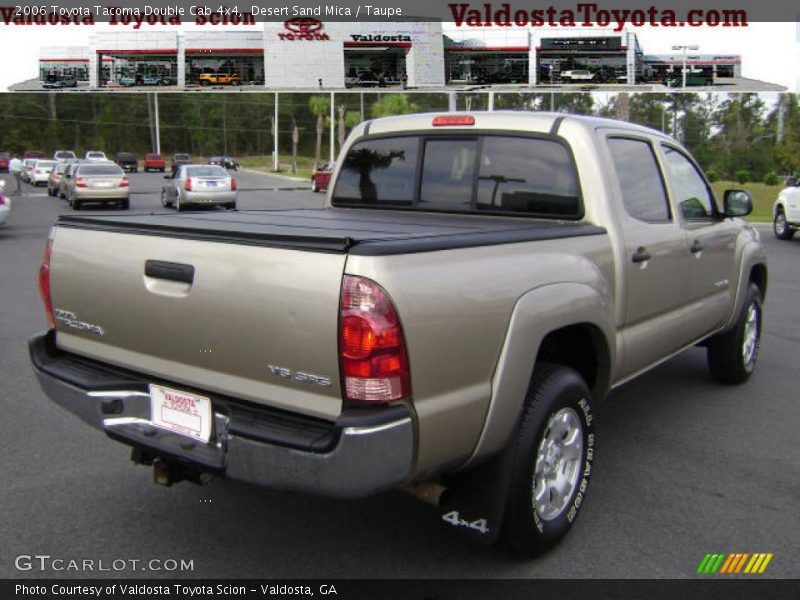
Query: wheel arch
x,y
565,323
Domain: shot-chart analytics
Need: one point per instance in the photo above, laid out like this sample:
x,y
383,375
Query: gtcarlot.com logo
x,y
734,563
45,562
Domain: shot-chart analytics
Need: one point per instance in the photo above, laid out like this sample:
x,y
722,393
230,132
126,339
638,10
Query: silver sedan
x,y
206,185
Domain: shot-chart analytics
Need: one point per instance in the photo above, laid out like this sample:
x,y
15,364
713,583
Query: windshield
x,y
45,164
205,172
462,173
182,157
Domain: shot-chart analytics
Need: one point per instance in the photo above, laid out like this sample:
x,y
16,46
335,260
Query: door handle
x,y
158,269
696,248
641,255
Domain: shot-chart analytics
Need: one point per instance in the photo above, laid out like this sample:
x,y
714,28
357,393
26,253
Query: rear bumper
x,y
208,197
362,453
111,193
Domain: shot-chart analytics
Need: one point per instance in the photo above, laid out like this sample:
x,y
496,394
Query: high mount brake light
x,y
372,347
454,121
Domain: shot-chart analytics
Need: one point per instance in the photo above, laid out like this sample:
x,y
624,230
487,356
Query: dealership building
x,y
307,53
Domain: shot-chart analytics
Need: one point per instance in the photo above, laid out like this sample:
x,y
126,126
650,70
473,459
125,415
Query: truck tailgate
x,y
229,318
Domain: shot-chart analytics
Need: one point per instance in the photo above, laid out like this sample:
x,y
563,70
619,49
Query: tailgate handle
x,y
159,269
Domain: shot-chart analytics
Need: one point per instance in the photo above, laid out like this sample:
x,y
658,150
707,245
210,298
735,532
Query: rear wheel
x,y
125,204
732,355
314,186
231,206
164,201
178,206
553,455
781,227
74,203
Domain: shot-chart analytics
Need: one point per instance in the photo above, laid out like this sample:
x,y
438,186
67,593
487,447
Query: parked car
x,y
54,181
64,155
179,159
226,162
786,211
577,75
5,204
5,158
475,285
153,80
27,169
95,156
33,154
218,79
57,82
102,183
321,178
69,173
127,81
154,162
40,173
128,161
199,185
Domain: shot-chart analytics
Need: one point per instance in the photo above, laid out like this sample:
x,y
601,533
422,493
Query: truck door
x,y
655,256
711,238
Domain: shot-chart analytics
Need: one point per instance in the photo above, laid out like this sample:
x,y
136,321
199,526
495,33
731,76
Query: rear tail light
x,y
44,283
233,184
188,184
124,182
454,121
372,347
80,182
2,201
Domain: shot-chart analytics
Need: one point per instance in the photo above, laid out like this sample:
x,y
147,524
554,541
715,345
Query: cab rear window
x,y
487,173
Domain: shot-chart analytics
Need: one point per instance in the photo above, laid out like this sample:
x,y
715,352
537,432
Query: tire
x,y
780,227
314,186
125,204
558,400
177,203
230,206
164,202
75,204
732,355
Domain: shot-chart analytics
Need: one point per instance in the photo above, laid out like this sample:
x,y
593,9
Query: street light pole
x,y
685,58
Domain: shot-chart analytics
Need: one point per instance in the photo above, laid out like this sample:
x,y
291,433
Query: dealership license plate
x,y
211,183
181,412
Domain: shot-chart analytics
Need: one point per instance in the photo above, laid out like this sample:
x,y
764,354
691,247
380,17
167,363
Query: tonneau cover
x,y
355,231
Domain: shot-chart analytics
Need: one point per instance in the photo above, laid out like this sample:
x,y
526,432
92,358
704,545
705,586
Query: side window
x,y
640,180
687,186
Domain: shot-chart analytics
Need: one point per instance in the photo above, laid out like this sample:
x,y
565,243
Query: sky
x,y
770,51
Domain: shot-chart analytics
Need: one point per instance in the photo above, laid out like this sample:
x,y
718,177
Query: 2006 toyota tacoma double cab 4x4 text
x,y
446,324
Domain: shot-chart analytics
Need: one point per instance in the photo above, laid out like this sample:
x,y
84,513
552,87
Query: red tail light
x,y
2,201
124,182
233,184
372,347
80,182
44,284
188,184
454,121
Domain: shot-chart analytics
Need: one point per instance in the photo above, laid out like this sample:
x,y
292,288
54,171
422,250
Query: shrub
x,y
771,178
713,176
742,176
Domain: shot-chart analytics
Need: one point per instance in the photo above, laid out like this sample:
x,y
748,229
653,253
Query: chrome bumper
x,y
369,451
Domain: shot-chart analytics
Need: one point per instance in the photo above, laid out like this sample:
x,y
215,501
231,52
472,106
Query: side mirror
x,y
738,203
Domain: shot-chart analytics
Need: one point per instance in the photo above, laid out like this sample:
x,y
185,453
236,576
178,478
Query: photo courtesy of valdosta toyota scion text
x,y
291,296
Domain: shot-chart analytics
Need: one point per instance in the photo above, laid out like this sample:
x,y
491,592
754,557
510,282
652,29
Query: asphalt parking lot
x,y
684,466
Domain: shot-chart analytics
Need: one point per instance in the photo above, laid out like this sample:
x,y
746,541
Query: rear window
x,y
153,157
206,172
182,157
45,164
126,156
490,173
100,170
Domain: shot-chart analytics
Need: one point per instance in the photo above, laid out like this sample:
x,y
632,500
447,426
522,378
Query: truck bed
x,y
366,232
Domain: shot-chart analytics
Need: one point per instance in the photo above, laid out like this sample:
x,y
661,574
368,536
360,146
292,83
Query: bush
x,y
712,176
742,176
771,178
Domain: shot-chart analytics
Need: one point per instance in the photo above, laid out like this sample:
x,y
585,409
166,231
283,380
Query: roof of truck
x,y
520,120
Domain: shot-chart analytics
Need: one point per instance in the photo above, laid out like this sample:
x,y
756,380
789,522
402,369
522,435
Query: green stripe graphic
x,y
701,568
718,564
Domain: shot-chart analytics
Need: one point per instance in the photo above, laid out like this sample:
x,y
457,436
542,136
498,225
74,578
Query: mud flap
x,y
475,501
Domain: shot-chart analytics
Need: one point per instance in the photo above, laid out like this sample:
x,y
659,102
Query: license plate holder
x,y
181,412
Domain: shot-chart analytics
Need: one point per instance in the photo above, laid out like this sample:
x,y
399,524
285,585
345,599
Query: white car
x,y
40,173
95,156
786,212
577,75
5,205
27,169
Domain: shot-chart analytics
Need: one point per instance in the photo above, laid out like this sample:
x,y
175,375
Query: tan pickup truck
x,y
475,284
